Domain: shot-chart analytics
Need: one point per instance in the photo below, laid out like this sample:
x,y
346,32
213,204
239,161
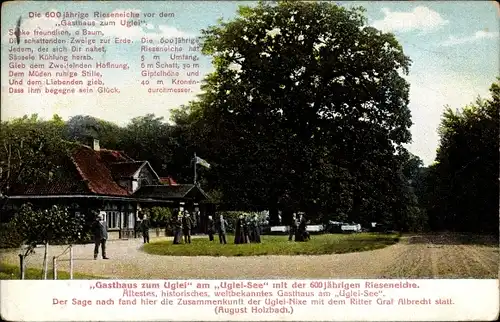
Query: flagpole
x,y
195,168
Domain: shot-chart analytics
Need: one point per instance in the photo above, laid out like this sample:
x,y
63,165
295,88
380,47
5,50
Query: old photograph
x,y
249,140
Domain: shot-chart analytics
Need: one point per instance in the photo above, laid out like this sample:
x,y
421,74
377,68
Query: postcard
x,y
249,161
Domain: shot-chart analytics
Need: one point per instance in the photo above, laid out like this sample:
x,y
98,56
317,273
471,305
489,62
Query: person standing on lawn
x,y
100,229
251,228
177,228
221,229
246,229
293,227
187,225
302,234
239,230
210,228
256,227
145,225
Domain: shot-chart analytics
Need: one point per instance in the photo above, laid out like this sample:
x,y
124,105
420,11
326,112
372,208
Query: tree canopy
x,y
306,108
462,186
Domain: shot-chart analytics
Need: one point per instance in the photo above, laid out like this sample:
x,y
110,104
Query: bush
x,y
53,225
9,236
158,216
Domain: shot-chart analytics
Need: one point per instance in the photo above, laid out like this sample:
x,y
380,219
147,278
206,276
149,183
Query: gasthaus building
x,y
115,185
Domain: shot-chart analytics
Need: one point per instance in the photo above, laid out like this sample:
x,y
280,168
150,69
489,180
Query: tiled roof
x,y
96,172
168,180
112,156
169,192
67,187
125,169
93,167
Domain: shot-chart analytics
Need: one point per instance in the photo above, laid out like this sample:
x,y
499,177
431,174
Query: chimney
x,y
96,145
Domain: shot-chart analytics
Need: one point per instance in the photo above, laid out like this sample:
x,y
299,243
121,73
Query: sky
x,y
454,48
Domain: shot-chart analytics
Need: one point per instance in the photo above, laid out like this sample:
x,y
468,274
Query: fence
x,y
54,263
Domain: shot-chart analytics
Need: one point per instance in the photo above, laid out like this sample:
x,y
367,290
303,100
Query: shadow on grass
x,y
276,245
11,272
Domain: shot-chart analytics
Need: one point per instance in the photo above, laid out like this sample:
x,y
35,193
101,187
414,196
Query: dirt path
x,y
403,260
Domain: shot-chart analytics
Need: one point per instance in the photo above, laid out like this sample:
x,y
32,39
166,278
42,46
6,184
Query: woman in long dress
x,y
239,232
302,229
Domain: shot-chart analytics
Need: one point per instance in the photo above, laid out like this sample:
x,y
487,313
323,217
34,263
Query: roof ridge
x,y
125,162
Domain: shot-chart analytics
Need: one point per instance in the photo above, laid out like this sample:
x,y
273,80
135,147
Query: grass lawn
x,y
11,272
276,245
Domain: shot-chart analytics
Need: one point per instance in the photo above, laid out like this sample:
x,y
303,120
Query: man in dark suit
x,y
221,229
100,229
145,225
187,225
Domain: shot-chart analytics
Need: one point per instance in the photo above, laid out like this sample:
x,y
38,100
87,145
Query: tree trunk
x,y
45,262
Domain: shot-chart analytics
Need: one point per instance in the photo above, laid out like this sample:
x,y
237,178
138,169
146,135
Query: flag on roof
x,y
202,162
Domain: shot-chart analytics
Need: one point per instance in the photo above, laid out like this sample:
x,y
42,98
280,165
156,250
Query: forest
x,y
316,123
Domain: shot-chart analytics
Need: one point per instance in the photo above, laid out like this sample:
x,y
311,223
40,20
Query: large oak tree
x,y
306,109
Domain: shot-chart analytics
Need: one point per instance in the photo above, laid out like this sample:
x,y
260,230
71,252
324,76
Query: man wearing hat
x,y
187,225
221,229
145,229
100,229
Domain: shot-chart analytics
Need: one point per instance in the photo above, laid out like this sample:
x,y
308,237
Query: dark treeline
x,y
316,123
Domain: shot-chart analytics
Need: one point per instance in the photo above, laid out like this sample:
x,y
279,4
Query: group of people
x,y
247,230
298,228
219,227
182,225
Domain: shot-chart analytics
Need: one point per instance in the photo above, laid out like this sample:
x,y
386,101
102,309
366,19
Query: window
x,y
131,220
117,219
112,218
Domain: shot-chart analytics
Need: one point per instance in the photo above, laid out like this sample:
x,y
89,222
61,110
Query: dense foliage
x,y
306,110
158,216
460,191
42,226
